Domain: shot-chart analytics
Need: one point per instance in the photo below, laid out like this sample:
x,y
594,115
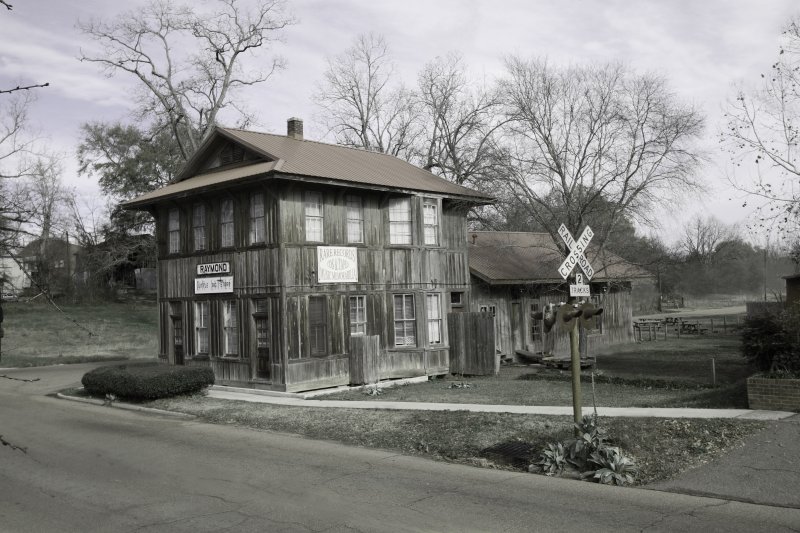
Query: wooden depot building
x,y
273,251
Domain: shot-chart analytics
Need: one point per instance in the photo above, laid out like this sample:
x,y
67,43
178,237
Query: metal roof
x,y
513,258
291,158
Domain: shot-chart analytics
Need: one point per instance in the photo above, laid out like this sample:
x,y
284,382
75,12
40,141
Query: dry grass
x,y
662,447
36,333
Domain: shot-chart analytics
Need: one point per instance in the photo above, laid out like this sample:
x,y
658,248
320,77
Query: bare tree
x,y
762,134
363,105
460,123
597,143
16,143
186,91
702,237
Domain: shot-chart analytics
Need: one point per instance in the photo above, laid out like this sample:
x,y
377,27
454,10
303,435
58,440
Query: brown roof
x,y
515,257
291,158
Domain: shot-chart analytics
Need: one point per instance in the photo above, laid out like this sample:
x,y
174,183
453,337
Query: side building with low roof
x,y
515,274
273,251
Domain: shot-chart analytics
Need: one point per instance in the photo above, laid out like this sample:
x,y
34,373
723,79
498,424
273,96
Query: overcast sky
x,y
703,47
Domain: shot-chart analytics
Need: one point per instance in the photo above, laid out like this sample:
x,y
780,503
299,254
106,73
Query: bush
x,y
147,382
770,342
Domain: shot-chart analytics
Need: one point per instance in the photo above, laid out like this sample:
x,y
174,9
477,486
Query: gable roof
x,y
289,158
516,257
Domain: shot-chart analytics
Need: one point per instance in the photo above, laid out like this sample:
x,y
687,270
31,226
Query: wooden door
x,y
263,360
177,339
517,327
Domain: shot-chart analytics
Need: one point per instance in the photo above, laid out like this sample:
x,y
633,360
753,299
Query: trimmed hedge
x,y
147,382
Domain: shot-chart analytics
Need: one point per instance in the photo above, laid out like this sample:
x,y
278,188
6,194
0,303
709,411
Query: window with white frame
x,y
174,231
358,315
314,220
318,326
230,328
433,308
256,218
226,223
199,226
355,219
405,320
430,212
201,327
400,221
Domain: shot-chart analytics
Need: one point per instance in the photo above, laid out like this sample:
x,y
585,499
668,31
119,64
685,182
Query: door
x,y
517,327
263,360
177,339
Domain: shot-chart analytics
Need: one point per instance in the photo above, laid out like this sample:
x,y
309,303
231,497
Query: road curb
x,y
126,406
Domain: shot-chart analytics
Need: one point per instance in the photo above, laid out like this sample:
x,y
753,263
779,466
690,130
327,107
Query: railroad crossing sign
x,y
576,249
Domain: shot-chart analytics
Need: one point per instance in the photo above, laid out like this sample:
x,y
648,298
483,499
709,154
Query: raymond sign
x,y
215,269
337,264
213,285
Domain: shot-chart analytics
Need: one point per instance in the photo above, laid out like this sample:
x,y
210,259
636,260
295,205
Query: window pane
x,y
199,226
313,212
201,327
400,221
405,325
433,309
231,327
358,315
355,220
256,218
431,220
174,231
226,223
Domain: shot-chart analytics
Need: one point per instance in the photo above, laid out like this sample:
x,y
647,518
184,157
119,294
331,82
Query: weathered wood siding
x,y
617,320
283,270
472,345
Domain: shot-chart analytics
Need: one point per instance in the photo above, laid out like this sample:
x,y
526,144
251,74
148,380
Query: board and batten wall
x,y
282,270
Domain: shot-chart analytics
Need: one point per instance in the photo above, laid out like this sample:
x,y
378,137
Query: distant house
x,y
515,274
51,264
273,251
12,277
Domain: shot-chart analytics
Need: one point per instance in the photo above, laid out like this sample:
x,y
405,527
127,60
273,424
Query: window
x,y
433,307
430,210
405,322
358,315
174,230
256,218
199,226
355,219
226,223
314,217
317,326
536,325
201,327
457,300
400,221
230,328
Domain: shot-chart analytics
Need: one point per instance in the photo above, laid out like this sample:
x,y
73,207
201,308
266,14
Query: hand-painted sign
x,y
579,290
337,264
213,269
213,285
576,255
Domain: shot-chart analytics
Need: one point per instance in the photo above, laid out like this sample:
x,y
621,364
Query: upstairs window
x,y
430,210
400,221
226,223
174,231
199,226
201,327
256,218
314,219
232,153
230,328
405,321
355,219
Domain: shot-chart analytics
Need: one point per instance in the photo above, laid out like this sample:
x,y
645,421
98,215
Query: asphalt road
x,y
92,468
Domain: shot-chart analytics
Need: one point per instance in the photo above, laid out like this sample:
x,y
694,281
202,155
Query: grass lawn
x,y
37,333
661,447
673,373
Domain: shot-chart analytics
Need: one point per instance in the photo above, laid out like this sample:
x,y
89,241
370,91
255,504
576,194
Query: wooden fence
x,y
663,328
472,348
364,359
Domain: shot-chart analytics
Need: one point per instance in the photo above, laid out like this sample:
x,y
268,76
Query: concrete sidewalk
x,y
246,395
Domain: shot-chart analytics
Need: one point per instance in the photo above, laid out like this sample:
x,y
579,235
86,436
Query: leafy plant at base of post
x,y
611,467
590,439
553,459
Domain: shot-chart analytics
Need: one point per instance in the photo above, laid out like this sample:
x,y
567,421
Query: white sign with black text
x,y
216,269
579,290
576,255
214,285
337,264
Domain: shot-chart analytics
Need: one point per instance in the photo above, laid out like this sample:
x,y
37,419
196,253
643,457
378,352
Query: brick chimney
x,y
294,128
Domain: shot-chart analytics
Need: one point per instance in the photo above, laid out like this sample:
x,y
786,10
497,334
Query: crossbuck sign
x,y
576,255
